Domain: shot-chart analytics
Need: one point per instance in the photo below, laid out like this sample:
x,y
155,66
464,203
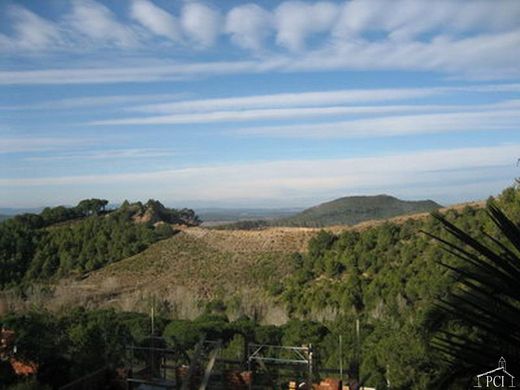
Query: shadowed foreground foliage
x,y
484,309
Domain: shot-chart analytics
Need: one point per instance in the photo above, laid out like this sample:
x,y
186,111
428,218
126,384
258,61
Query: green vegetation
x,y
389,278
69,345
486,300
72,344
60,240
355,209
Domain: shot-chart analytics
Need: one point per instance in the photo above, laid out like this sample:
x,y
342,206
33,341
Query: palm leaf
x,y
482,314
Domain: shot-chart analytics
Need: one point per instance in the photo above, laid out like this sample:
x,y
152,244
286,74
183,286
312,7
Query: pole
x,y
152,318
340,359
358,353
249,368
309,386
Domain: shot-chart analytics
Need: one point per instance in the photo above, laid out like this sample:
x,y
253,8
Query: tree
x,y
92,206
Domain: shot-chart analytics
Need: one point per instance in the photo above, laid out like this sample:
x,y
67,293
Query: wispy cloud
x,y
396,125
447,36
393,126
295,179
100,25
30,31
92,101
295,21
503,113
301,99
107,154
249,26
201,23
130,74
156,19
39,144
263,114
463,57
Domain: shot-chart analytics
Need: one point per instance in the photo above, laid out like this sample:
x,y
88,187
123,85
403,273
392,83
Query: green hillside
x,y
386,276
72,240
390,279
4,217
351,210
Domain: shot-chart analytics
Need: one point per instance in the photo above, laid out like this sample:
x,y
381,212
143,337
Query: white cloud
x,y
267,114
201,23
492,56
500,115
38,144
472,39
155,19
128,74
249,25
301,99
31,32
107,154
398,125
296,179
91,101
408,19
296,20
99,24
482,56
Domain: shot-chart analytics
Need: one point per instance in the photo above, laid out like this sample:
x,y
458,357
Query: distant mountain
x,y
214,216
355,209
15,211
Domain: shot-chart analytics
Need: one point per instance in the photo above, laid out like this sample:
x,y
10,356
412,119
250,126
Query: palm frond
x,y
486,300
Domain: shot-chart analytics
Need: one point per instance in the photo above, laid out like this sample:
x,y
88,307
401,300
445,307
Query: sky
x,y
266,104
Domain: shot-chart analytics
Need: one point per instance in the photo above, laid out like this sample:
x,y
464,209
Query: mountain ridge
x,y
347,210
350,210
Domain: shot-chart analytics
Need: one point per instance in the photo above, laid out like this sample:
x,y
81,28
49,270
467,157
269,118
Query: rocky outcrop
x,y
153,212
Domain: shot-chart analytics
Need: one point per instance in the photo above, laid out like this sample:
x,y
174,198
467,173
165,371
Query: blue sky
x,y
267,104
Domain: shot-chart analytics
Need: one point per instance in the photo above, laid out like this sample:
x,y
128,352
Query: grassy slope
x,y
195,265
355,209
201,264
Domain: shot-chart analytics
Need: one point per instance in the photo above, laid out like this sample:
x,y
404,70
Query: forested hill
x,y
71,240
389,278
354,209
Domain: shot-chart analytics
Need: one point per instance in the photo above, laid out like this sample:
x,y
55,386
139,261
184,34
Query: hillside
x,y
196,265
62,241
384,274
244,268
4,217
355,209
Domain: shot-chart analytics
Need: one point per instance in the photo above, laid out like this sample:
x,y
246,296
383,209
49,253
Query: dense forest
x,y
389,278
71,240
71,344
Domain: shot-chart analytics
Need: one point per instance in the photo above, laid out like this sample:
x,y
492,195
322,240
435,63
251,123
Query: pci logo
x,y
497,378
